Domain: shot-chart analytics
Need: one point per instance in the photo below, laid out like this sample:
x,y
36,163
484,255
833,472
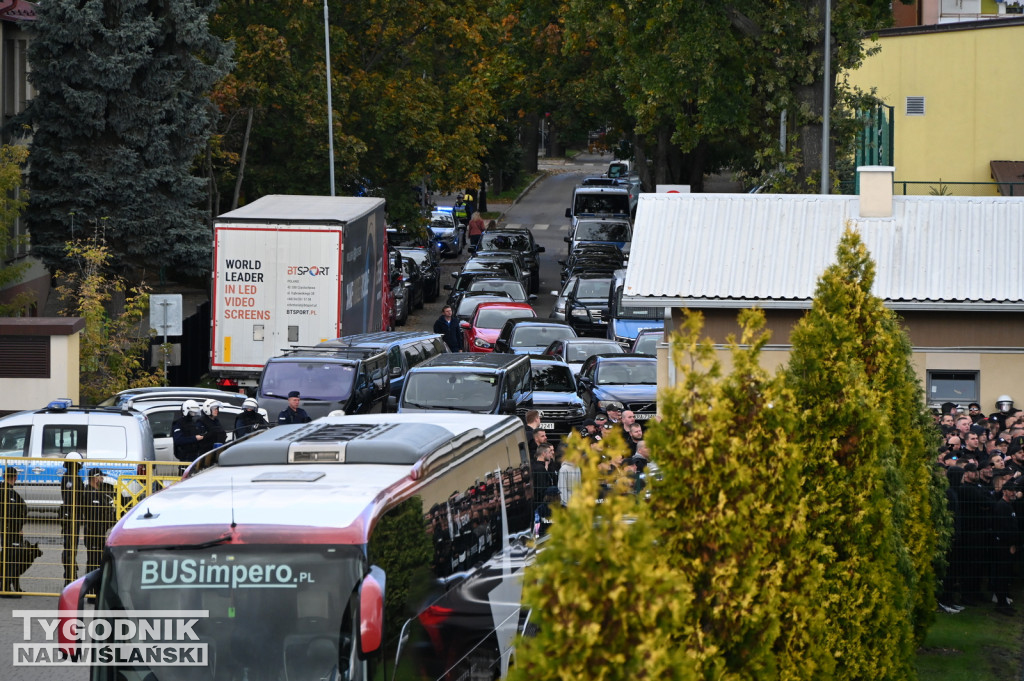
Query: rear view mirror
x,y
568,213
567,239
371,611
540,249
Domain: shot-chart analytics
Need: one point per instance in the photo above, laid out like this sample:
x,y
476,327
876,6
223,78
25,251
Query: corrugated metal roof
x,y
296,207
762,249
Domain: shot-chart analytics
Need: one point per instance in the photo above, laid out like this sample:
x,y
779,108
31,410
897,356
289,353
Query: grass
x,y
976,645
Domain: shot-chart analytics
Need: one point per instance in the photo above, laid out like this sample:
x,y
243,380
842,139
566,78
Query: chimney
x,y
875,191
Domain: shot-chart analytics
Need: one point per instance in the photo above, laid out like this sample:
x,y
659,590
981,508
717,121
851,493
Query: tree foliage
x,y
793,531
112,353
863,428
119,117
12,202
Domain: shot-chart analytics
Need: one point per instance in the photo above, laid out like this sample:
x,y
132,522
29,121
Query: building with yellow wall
x,y
957,103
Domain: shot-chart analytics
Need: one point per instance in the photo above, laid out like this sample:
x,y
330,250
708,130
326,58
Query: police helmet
x,y
209,406
1004,403
249,403
190,407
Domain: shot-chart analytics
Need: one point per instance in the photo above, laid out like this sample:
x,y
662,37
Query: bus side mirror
x,y
371,611
69,607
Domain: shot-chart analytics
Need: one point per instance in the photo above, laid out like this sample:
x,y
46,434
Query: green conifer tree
x,y
118,119
864,437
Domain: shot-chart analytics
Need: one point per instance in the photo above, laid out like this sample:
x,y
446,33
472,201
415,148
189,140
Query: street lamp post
x,y
827,99
330,107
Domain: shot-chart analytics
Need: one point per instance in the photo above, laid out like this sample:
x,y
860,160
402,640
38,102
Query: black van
x,y
484,383
404,350
354,380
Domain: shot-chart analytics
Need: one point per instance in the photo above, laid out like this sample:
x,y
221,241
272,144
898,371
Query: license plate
x,y
643,417
547,425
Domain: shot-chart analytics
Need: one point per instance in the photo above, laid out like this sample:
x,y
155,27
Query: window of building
x,y
953,386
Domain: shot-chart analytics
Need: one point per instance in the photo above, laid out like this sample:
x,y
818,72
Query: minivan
x,y
404,350
353,380
109,435
483,383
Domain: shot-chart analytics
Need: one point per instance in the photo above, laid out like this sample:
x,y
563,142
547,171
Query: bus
x,y
376,546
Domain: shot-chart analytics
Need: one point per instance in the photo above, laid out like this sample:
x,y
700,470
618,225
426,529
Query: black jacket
x,y
14,512
184,431
450,331
288,416
249,422
72,493
215,433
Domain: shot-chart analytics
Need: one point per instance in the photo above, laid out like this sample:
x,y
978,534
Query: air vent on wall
x,y
915,106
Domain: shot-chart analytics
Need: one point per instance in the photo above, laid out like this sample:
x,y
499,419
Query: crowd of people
x,y
555,479
982,457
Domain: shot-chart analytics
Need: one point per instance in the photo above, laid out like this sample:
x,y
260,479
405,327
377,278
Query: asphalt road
x,y
541,208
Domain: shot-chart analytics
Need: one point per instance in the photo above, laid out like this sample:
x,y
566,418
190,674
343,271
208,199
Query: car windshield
x,y
647,344
627,372
495,318
593,288
441,226
578,352
540,336
315,380
419,256
555,378
602,231
514,289
269,607
500,242
618,170
492,267
458,391
611,203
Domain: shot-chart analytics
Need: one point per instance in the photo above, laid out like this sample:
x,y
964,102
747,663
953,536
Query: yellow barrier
x,y
51,512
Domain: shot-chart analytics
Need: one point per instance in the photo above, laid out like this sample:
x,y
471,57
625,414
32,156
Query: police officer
x,y
15,513
73,515
100,515
188,433
293,413
250,420
209,421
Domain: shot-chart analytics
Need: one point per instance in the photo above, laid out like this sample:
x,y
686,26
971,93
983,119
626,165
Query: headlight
x,y
577,411
481,343
580,313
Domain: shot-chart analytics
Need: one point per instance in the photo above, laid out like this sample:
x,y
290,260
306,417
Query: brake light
x,y
227,383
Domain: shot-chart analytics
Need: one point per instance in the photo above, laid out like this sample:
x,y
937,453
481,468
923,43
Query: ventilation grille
x,y
915,106
24,357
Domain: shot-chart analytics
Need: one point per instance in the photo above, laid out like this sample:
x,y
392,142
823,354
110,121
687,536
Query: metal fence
x,y
940,188
55,518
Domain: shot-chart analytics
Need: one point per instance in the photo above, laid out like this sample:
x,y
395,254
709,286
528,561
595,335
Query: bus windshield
x,y
275,612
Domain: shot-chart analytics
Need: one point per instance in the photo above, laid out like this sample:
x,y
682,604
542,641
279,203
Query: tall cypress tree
x,y
118,120
863,430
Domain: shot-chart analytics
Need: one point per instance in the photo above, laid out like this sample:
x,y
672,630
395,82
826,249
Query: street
x,y
541,208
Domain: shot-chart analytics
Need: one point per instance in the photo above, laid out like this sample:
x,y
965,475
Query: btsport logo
x,y
309,270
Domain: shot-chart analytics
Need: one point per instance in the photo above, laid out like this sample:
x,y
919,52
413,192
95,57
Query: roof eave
x,y
805,304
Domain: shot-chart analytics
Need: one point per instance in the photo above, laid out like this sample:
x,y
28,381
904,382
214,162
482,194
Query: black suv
x,y
480,382
586,304
355,380
554,395
515,239
430,270
404,350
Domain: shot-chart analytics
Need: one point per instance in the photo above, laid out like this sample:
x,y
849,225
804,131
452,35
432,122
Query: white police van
x,y
36,442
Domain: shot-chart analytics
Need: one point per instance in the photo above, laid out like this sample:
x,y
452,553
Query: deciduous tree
x,y
12,202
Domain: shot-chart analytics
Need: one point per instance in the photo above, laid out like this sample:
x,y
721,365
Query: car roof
x,y
137,395
616,356
536,321
378,339
504,305
469,361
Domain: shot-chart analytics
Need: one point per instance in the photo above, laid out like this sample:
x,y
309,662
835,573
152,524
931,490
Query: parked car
x,y
509,267
562,411
355,380
613,231
524,267
646,342
404,350
471,299
401,301
449,234
484,383
405,238
430,270
530,336
412,279
162,406
99,434
629,379
516,239
585,303
481,332
488,282
592,265
576,351
573,289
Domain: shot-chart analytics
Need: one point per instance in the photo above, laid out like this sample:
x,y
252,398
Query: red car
x,y
481,332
